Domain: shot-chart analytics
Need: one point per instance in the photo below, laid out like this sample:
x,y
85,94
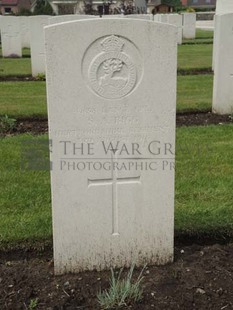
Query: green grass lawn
x,y
189,57
204,196
25,196
195,56
15,66
204,34
27,99
23,99
194,93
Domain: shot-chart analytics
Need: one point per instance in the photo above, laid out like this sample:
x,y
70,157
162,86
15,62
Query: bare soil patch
x,y
17,78
200,278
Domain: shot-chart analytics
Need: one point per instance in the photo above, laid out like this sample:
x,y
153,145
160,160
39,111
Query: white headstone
x,y
176,20
1,17
216,27
223,75
11,37
224,7
172,19
25,32
70,17
156,17
163,18
189,25
37,24
110,210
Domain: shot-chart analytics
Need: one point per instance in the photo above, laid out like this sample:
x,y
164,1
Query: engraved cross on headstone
x,y
114,180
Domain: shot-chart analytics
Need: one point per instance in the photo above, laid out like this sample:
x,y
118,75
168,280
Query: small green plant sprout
x,y
175,274
6,123
33,304
40,77
122,292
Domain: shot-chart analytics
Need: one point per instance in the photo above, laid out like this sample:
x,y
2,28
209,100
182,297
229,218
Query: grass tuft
x,y
33,304
6,123
122,292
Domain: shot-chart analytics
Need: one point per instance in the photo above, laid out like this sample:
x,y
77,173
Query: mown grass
x,y
23,99
195,56
25,196
204,196
204,34
28,99
194,93
15,67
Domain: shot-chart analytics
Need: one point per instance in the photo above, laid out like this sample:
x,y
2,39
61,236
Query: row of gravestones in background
x,y
15,32
15,35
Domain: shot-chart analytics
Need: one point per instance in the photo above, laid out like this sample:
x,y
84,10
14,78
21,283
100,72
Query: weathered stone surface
x,y
10,36
176,20
172,19
67,18
223,75
37,24
24,30
189,25
224,7
112,206
216,28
